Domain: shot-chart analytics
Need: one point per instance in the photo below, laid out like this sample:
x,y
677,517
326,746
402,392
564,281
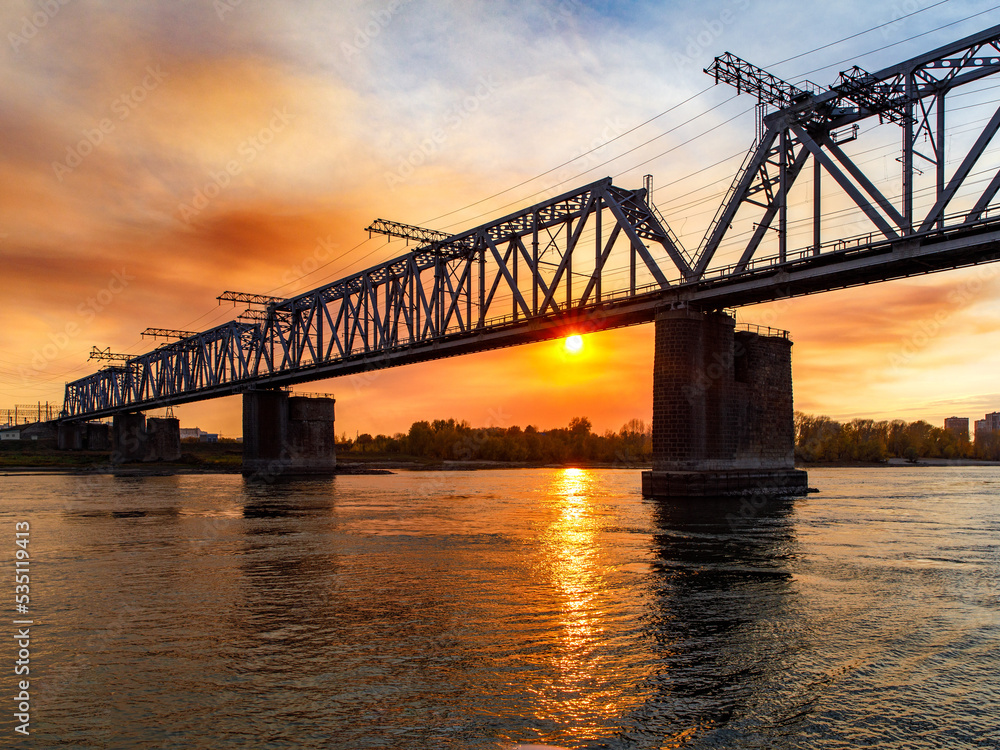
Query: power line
x,y
343,257
901,41
695,96
636,148
651,140
575,158
320,268
855,36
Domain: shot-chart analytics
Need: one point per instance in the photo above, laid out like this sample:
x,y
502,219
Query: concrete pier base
x,y
137,439
723,483
83,436
723,421
286,435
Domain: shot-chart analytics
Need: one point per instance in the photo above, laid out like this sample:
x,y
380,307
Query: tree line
x,y
451,440
821,439
818,439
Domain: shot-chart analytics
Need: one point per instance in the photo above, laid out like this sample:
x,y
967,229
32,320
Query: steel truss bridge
x,y
602,256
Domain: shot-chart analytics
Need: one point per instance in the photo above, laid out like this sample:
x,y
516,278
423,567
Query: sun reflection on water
x,y
579,687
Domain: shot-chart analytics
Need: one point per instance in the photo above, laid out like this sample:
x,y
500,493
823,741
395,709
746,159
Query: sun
x,y
574,344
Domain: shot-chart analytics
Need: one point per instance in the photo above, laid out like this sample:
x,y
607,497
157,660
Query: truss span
x,y
602,256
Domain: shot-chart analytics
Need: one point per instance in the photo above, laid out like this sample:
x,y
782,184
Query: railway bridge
x,y
603,256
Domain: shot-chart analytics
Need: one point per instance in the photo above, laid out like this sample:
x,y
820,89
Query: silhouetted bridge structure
x,y
603,256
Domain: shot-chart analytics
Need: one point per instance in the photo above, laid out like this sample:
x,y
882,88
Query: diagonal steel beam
x,y
937,211
637,242
862,179
564,263
735,197
771,211
599,269
505,272
984,200
859,199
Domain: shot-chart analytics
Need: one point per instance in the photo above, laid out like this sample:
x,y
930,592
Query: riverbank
x,y
227,458
895,463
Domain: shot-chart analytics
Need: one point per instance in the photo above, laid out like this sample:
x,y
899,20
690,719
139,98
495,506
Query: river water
x,y
491,608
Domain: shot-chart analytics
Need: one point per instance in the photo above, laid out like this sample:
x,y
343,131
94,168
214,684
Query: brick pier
x,y
135,438
723,419
285,435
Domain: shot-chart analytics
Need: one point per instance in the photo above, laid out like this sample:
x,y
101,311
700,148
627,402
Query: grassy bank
x,y
43,454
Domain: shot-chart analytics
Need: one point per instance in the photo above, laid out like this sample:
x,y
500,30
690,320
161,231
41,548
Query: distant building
x,y
987,425
195,433
958,426
33,431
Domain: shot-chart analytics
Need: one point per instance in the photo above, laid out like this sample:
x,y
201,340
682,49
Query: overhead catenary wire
x,y
613,159
577,157
858,34
219,313
656,117
855,58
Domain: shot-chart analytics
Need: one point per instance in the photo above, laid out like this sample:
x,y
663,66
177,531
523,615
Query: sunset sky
x,y
119,120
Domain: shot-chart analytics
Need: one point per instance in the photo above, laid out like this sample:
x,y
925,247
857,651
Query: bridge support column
x,y
723,421
83,436
135,438
286,435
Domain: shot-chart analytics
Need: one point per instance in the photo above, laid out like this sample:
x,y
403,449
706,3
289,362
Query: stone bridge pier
x,y
135,438
723,420
83,436
287,435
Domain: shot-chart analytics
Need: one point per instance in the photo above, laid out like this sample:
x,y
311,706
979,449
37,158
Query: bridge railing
x,y
844,245
764,330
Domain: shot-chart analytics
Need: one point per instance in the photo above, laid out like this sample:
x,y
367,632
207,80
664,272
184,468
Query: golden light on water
x,y
577,570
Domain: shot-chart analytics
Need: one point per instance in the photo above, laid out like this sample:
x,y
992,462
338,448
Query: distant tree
x,y
987,446
819,439
635,442
420,439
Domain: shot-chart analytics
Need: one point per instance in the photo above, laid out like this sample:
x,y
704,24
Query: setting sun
x,y
574,344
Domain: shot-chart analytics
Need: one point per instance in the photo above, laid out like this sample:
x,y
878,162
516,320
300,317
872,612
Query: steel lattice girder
x,y
445,289
209,359
449,286
803,129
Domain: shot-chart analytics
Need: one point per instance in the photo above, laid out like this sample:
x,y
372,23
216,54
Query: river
x,y
484,609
